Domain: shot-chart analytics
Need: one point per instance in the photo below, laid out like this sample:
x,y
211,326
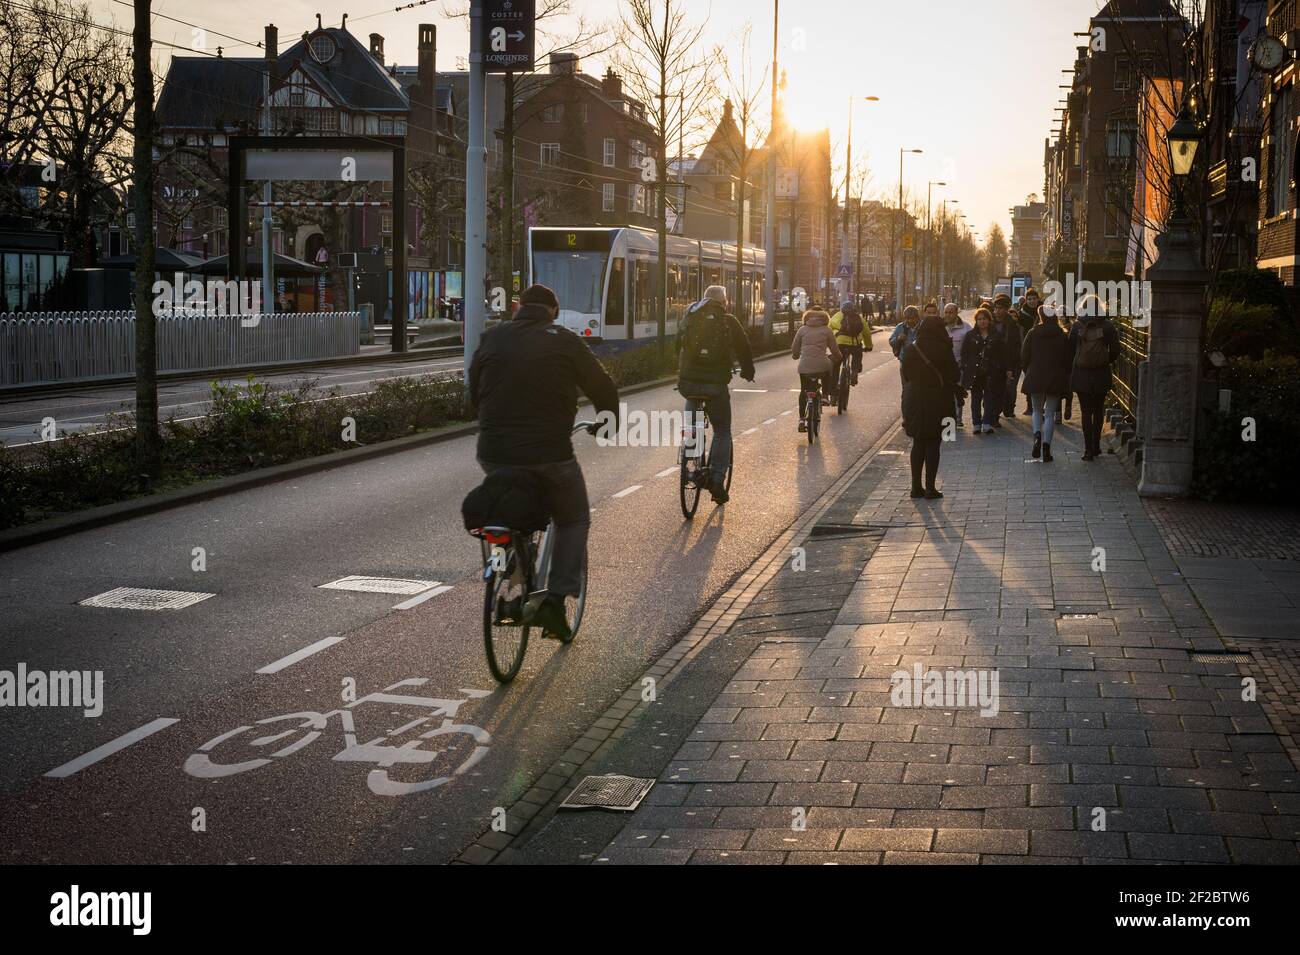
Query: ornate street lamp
x,y
1184,138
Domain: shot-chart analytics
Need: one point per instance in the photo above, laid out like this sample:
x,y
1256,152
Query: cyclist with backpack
x,y
709,342
1094,347
852,336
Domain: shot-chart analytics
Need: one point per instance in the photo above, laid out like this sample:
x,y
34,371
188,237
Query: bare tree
x,y
148,441
994,255
65,103
741,130
662,68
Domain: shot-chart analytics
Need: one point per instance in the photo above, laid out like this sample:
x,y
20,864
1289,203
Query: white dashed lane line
x,y
108,749
421,598
750,431
628,490
304,653
667,471
770,421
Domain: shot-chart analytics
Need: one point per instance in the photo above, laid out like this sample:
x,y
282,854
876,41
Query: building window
x,y
611,152
784,239
1280,194
551,114
386,223
1123,73
635,153
607,197
1120,136
550,154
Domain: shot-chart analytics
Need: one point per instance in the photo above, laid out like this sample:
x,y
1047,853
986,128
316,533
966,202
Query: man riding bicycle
x,y
523,385
709,341
852,335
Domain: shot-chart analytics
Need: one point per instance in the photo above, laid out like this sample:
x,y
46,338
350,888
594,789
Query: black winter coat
x,y
524,382
928,393
716,372
1092,381
1009,332
1045,356
982,357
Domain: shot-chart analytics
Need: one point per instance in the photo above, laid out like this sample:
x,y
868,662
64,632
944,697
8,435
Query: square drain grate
x,y
380,585
141,598
1079,616
1224,657
623,793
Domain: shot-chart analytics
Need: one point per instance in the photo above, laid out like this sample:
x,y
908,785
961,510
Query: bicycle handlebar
x,y
588,426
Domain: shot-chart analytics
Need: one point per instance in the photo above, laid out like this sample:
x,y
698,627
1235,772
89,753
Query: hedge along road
x,y
88,407
132,787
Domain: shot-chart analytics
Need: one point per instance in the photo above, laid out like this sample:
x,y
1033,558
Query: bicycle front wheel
x,y
504,635
575,606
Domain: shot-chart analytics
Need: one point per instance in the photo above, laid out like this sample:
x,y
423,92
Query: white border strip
x,y
108,749
304,653
421,598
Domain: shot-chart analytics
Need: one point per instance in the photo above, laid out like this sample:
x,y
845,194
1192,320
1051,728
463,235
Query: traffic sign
x,y
845,271
509,35
907,241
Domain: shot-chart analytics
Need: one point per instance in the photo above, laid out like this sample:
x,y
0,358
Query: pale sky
x,y
972,82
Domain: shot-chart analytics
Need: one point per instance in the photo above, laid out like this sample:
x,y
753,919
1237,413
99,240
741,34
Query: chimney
x,y
612,85
564,63
271,43
377,47
426,71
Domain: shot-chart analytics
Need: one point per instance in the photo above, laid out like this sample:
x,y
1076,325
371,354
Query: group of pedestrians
x,y
1034,349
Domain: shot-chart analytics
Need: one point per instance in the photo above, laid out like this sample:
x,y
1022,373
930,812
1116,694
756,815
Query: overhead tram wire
x,y
195,26
626,176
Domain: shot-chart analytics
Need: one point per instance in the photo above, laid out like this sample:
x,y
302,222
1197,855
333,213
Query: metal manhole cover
x,y
1224,657
380,585
142,598
1079,616
845,530
623,793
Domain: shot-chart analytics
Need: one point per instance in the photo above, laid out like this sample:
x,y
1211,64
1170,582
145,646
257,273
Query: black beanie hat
x,y
539,295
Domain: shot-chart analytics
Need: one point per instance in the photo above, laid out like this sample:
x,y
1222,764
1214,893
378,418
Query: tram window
x,y
645,293
695,293
614,297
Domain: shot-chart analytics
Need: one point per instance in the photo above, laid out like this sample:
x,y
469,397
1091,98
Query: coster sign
x,y
509,37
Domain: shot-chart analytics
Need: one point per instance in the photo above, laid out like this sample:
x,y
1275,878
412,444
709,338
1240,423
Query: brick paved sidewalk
x,y
1102,704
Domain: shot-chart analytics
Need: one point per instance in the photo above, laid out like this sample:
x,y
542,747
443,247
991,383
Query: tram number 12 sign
x,y
509,35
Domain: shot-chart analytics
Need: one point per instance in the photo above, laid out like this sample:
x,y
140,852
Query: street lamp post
x,y
943,219
929,239
852,283
1169,381
901,219
769,225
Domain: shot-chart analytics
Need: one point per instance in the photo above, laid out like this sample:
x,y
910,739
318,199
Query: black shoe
x,y
997,424
719,492
1047,454
933,495
918,492
1038,446
549,616
1087,456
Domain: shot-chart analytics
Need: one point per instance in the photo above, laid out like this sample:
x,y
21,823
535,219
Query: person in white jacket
x,y
957,330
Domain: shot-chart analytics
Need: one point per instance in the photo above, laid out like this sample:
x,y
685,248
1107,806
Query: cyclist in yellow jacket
x,y
853,335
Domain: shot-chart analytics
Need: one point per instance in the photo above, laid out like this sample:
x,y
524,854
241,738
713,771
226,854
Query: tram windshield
x,y
575,277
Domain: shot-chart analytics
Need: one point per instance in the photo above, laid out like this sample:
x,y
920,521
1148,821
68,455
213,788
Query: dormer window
x,y
323,48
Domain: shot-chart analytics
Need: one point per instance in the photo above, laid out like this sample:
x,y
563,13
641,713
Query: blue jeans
x,y
717,402
1045,414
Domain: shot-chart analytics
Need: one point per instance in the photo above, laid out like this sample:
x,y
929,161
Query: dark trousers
x,y
717,402
855,351
985,400
1009,396
566,499
809,382
1092,409
925,453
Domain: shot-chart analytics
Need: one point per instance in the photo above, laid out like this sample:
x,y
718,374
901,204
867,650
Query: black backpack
x,y
850,324
706,344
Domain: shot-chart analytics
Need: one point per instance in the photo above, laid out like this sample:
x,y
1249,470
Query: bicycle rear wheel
x,y
504,595
694,471
814,411
843,396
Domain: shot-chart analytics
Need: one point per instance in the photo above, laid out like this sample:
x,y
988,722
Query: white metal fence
x,y
42,347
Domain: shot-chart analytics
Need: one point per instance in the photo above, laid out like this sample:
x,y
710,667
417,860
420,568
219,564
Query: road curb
x,y
73,523
537,805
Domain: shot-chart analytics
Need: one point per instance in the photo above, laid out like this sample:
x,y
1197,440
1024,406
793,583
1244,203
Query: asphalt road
x,y
178,796
90,407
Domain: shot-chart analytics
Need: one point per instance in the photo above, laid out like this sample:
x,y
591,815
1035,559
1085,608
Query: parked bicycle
x,y
516,566
693,458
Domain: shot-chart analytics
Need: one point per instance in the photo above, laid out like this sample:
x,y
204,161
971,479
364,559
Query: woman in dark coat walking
x,y
983,371
930,386
1045,356
1094,347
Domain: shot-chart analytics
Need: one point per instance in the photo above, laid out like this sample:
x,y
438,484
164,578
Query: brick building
x,y
1278,152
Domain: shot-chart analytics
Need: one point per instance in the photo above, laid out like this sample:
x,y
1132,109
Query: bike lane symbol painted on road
x,y
270,739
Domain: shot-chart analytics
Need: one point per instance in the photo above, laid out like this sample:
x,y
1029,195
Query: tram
x,y
606,279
